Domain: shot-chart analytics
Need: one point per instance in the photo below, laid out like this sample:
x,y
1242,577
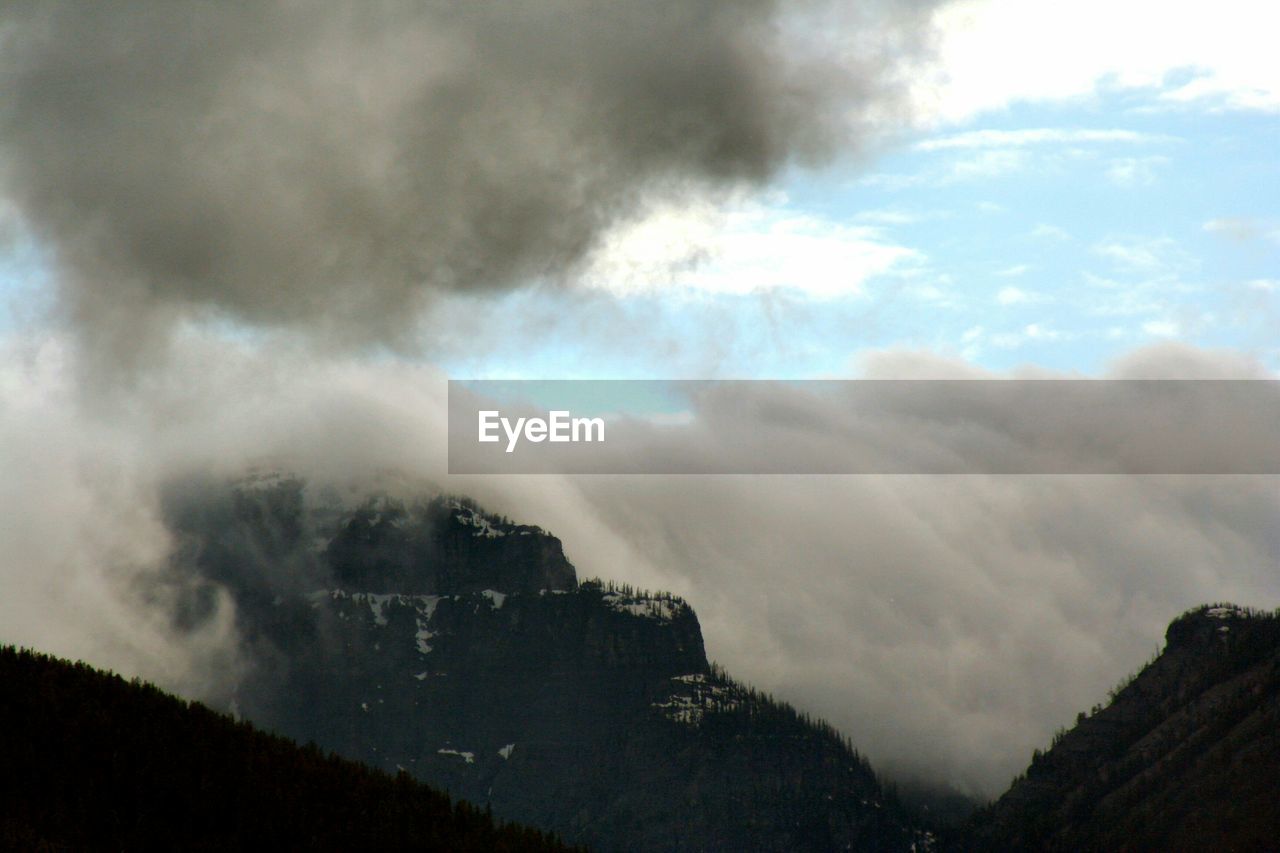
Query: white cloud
x,y
1114,298
995,53
1013,271
1135,171
1045,231
1161,328
743,246
929,292
892,217
1017,296
988,163
1034,136
990,153
1142,255
1032,332
976,165
1244,228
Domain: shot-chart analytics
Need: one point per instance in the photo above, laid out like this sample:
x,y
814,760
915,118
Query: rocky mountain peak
x,y
1211,623
271,532
421,633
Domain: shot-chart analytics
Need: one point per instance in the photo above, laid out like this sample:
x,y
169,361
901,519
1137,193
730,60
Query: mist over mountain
x,y
911,612
426,635
415,632
272,232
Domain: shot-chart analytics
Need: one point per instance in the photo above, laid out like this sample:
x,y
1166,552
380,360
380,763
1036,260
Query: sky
x,y
228,235
1071,191
1069,185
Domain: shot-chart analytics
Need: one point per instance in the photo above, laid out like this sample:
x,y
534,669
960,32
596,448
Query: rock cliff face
x,y
429,636
1185,757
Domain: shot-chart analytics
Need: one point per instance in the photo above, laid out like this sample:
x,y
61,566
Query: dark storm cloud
x,y
334,164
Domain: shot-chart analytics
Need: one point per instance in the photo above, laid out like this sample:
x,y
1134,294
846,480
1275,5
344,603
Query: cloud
x,y
85,544
989,153
1152,256
335,166
740,248
1032,332
1244,229
1014,271
1153,278
948,624
1016,295
82,543
1036,136
892,217
989,163
1135,171
1161,328
993,54
977,165
1047,231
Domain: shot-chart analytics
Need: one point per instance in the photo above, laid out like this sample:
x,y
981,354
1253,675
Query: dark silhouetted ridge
x,y
1186,756
92,762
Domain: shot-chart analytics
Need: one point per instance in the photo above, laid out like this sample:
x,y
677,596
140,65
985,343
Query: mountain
x,y
92,762
432,641
424,634
1186,756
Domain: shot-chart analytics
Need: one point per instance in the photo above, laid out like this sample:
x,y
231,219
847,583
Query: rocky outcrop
x,y
430,636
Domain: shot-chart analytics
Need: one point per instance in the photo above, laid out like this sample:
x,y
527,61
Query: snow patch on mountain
x,y
469,757
378,606
699,698
470,517
423,634
661,609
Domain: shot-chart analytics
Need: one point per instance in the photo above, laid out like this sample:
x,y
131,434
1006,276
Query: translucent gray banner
x,y
865,427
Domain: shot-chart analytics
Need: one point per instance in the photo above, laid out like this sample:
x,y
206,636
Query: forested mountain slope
x,y
425,634
1186,756
92,762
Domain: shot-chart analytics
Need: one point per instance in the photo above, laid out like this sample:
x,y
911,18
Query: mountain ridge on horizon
x,y
425,634
430,637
